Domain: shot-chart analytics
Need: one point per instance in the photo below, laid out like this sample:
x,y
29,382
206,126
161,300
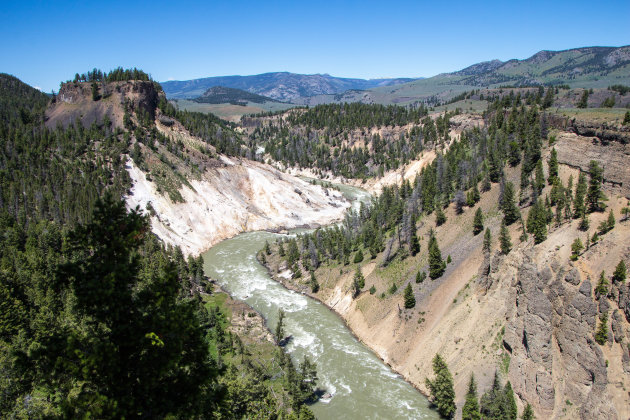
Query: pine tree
x,y
314,283
293,253
414,243
436,264
476,196
297,271
537,222
508,204
576,248
595,196
478,221
579,206
124,320
410,300
548,210
510,402
280,326
568,199
595,238
548,100
524,177
486,183
559,207
514,154
583,103
281,249
523,236
442,389
610,223
620,273
487,240
557,192
358,282
601,336
493,402
440,217
553,166
505,239
528,413
470,411
602,285
358,257
95,95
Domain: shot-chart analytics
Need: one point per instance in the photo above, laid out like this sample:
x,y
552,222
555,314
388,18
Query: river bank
x,y
360,384
306,290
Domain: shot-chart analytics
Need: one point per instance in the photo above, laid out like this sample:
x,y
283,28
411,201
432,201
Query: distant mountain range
x,y
589,67
576,66
282,86
596,67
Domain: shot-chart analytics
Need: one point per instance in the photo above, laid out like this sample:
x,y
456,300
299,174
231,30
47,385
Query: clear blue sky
x,y
45,42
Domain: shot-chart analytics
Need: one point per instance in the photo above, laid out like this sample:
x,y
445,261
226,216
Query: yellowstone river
x,y
361,385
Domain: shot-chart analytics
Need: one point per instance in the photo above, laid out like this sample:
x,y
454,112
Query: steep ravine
x,y
531,315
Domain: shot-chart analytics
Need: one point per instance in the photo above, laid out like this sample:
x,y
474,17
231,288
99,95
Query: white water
x,y
362,386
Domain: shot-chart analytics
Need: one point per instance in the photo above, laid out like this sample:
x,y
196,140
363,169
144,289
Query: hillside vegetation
x,y
221,95
489,268
99,319
349,140
489,258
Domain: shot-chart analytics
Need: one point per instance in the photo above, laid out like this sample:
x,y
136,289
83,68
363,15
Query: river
x,y
362,386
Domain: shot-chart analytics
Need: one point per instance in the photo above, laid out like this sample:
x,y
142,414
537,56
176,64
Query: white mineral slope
x,y
241,196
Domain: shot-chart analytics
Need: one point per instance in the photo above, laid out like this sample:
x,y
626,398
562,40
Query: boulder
x,y
573,276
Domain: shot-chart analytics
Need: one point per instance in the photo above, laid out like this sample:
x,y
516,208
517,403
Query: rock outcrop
x,y
577,152
603,132
529,339
74,102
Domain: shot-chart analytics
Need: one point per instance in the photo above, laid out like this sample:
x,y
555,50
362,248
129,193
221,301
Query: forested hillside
x,y
459,174
98,319
462,261
222,95
349,140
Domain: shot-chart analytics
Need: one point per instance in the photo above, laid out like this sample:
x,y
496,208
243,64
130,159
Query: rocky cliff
x,y
531,315
195,196
74,102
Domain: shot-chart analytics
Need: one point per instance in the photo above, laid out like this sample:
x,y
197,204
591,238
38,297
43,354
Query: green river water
x,y
361,385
